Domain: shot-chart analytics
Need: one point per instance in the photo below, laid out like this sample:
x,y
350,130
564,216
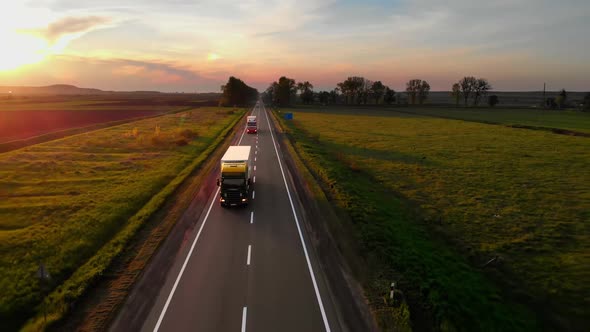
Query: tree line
x,y
359,90
353,90
237,93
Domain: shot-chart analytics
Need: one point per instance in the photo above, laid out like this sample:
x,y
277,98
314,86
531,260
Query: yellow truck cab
x,y
234,180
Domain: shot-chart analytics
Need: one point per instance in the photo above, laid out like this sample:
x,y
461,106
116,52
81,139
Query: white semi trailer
x,y
234,179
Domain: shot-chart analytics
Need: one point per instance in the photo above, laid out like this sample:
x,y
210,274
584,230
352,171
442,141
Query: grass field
x,y
432,200
510,99
61,201
570,120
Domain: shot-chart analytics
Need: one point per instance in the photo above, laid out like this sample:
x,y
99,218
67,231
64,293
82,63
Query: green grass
x,y
570,120
63,201
432,199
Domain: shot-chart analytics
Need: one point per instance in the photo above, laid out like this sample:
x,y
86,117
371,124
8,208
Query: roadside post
x,y
391,289
44,277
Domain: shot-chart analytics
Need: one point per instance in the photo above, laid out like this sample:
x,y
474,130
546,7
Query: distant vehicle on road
x,y
234,179
251,124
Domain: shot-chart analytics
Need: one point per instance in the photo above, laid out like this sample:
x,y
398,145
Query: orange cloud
x,y
72,25
128,70
151,74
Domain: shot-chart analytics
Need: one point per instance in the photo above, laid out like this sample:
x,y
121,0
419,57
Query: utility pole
x,y
544,101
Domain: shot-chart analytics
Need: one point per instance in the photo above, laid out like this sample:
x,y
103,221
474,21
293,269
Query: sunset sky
x,y
182,45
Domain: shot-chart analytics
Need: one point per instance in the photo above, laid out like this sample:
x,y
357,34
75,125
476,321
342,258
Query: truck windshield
x,y
233,182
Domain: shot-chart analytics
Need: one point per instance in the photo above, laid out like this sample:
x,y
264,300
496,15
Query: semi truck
x,y
234,180
251,124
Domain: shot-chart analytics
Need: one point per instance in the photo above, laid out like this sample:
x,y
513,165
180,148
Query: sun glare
x,y
22,49
20,45
212,56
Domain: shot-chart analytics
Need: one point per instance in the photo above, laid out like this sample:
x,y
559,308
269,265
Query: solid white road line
x,y
249,254
252,217
184,265
311,273
244,315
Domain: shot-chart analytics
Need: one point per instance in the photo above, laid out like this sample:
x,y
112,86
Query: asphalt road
x,y
247,269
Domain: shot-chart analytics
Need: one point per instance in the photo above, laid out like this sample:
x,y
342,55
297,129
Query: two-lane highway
x,y
247,269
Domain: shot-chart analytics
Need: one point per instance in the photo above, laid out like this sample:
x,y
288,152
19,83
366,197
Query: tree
x,y
236,93
306,92
412,87
550,102
389,97
351,88
423,91
334,95
467,85
377,91
283,90
324,97
270,95
365,91
456,93
587,101
493,100
481,88
561,98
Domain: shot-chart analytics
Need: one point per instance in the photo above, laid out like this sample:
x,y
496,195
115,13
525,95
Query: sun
x,y
212,56
20,44
21,49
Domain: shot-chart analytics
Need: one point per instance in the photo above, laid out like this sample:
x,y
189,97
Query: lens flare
x,y
21,49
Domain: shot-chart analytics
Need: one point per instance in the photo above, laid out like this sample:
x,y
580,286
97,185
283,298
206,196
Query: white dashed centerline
x,y
253,194
254,167
252,217
254,180
244,315
249,254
